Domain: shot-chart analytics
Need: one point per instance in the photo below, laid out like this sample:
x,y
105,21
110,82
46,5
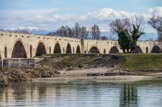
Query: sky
x,y
52,14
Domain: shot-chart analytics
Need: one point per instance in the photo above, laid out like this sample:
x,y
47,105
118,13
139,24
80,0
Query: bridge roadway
x,y
21,45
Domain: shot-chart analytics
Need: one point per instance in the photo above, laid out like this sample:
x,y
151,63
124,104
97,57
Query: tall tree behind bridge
x,y
84,33
77,30
137,30
128,32
95,32
156,23
122,27
104,37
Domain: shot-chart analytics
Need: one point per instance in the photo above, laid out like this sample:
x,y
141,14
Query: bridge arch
x,y
156,49
40,49
94,49
137,50
78,49
19,50
57,48
5,52
68,48
114,49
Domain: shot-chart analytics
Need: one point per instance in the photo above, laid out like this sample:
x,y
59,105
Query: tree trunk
x,y
123,50
127,50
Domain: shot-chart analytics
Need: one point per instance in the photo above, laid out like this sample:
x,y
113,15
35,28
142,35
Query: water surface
x,y
147,93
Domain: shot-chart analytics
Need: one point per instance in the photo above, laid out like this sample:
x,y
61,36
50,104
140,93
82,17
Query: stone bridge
x,y
20,45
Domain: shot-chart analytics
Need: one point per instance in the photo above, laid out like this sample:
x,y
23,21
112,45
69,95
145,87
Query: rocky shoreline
x,y
23,75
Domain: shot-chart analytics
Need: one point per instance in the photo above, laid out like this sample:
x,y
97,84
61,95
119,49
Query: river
x,y
146,93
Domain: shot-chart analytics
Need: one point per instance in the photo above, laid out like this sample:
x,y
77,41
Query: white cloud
x,y
155,11
29,12
44,20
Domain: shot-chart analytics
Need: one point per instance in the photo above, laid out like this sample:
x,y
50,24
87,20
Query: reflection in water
x,y
128,96
83,94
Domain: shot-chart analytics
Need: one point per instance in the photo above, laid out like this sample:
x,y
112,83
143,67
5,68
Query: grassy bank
x,y
132,60
142,61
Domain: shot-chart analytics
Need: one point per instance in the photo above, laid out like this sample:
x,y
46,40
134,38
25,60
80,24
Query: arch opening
x,y
57,48
137,50
5,52
114,49
78,49
40,50
147,51
68,49
156,49
19,51
94,50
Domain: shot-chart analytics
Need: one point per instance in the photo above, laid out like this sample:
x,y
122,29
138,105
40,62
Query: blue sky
x,y
81,6
51,14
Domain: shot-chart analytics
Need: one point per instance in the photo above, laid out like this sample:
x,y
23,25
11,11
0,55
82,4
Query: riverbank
x,y
102,74
90,66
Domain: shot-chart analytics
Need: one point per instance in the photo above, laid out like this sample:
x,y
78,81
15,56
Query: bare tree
x,y
103,38
120,25
77,30
51,33
84,33
110,37
95,32
156,23
138,23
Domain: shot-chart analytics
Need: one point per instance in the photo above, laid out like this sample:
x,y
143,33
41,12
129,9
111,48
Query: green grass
x,y
69,54
142,61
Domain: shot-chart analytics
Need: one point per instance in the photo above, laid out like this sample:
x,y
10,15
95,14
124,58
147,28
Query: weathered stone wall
x,y
20,62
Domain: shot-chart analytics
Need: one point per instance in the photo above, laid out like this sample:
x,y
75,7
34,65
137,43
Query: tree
x,y
121,27
95,32
77,30
137,31
110,37
103,38
84,33
156,23
128,33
